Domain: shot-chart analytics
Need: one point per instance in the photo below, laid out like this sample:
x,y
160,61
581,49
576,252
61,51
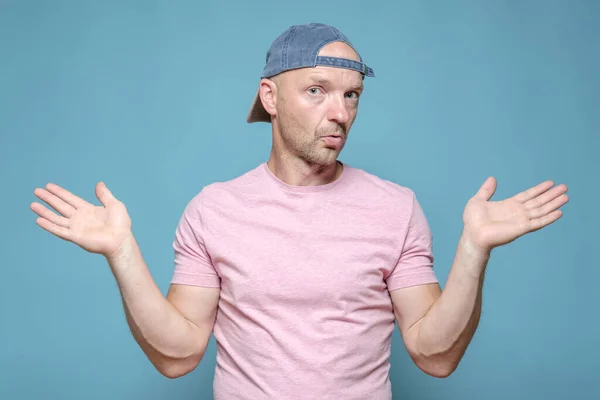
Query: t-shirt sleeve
x,y
193,265
415,264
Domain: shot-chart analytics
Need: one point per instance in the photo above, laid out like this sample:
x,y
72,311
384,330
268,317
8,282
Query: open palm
x,y
97,229
495,223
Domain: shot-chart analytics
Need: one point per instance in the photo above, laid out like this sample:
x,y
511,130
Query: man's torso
x,y
305,310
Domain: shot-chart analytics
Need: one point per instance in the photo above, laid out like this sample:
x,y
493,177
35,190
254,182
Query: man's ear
x,y
268,95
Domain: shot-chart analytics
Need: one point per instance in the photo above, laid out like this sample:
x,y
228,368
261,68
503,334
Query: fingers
x,y
49,215
539,223
533,192
55,202
61,232
545,198
544,207
549,207
68,197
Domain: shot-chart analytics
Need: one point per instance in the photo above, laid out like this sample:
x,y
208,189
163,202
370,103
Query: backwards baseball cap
x,y
298,47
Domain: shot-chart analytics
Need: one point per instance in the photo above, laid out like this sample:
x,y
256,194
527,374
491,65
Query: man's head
x,y
309,91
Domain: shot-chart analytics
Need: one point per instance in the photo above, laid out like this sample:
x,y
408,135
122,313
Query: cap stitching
x,y
358,66
334,30
284,54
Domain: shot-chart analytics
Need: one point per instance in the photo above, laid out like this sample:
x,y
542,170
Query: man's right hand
x,y
97,229
173,332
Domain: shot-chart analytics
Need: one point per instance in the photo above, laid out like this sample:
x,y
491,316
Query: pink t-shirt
x,y
305,274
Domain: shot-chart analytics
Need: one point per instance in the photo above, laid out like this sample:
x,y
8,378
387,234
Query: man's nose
x,y
338,111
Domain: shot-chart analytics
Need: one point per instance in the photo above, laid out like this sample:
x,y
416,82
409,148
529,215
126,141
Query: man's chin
x,y
329,156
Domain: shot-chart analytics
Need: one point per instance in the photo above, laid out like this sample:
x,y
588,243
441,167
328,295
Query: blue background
x,y
151,97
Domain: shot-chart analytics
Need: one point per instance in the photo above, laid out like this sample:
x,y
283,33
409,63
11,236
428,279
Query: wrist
x,y
124,250
471,256
469,244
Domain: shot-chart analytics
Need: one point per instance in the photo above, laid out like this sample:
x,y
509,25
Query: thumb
x,y
104,195
487,190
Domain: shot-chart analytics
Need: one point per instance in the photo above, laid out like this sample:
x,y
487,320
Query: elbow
x,y
172,373
438,365
174,369
440,370
439,362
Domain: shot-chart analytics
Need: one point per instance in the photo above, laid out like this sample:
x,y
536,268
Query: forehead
x,y
326,76
332,76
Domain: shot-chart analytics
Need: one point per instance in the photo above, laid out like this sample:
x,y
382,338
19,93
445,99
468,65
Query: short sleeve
x,y
193,265
415,264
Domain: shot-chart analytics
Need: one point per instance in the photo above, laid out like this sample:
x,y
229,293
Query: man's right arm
x,y
174,331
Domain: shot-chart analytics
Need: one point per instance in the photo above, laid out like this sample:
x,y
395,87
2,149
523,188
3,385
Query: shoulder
x,y
397,202
379,188
221,192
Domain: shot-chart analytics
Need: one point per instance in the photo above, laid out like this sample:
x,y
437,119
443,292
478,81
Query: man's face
x,y
315,108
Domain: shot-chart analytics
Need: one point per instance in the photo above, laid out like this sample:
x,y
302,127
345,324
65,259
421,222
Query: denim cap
x,y
298,47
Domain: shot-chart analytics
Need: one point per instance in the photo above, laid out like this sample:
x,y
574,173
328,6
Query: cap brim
x,y
257,111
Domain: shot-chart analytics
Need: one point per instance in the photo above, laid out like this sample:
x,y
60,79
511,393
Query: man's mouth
x,y
333,140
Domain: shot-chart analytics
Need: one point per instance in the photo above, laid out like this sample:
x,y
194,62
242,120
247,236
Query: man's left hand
x,y
489,224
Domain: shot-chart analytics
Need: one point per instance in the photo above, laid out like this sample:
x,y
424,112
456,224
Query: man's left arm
x,y
437,326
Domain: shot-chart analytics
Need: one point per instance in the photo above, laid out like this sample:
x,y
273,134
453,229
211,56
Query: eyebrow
x,y
320,80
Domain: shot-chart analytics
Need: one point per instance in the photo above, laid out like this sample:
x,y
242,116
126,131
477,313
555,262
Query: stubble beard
x,y
307,147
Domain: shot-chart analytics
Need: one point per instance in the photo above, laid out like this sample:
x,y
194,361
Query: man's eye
x,y
314,90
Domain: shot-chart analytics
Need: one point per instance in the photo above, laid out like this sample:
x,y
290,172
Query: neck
x,y
297,172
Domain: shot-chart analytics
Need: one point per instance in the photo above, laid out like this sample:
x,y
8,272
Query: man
x,y
301,266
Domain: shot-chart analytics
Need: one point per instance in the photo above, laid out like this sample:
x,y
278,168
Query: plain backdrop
x,y
151,97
